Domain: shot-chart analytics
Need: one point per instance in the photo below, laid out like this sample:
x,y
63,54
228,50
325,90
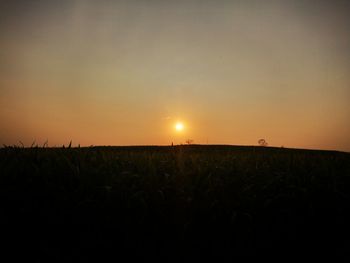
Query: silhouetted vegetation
x,y
213,202
263,142
189,141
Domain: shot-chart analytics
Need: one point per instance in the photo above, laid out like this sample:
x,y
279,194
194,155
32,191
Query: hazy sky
x,y
123,72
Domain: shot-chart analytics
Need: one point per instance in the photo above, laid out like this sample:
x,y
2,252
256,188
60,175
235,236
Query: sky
x,y
125,72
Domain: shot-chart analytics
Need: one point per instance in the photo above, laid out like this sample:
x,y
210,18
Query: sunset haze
x,y
126,72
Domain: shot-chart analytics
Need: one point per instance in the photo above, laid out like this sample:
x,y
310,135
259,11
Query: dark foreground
x,y
173,203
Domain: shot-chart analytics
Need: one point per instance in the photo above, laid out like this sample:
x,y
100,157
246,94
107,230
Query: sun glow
x,y
179,126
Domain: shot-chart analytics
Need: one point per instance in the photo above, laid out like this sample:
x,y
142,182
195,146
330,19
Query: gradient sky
x,y
123,72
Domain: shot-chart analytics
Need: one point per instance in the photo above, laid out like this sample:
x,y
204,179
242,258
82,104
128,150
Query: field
x,y
173,203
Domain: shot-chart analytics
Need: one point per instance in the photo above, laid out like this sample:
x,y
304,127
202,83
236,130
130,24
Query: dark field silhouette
x,y
173,203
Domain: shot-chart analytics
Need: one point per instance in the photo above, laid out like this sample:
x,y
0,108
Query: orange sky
x,y
123,72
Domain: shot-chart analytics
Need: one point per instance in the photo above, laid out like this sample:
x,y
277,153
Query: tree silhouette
x,y
263,142
189,141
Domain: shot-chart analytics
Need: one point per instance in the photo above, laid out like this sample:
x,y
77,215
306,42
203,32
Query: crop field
x,y
173,203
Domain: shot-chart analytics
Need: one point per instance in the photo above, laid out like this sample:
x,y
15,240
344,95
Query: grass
x,y
218,202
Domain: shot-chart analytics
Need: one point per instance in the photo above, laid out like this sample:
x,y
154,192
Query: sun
x,y
179,126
